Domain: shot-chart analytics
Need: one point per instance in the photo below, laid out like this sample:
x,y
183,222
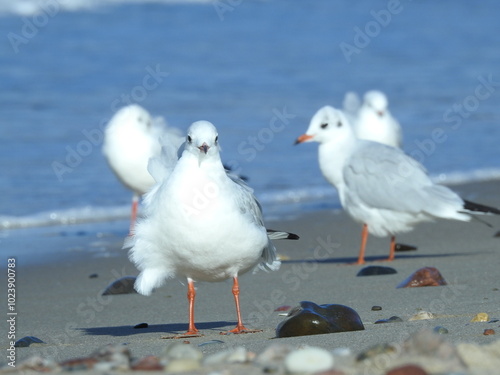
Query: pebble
x,y
404,247
93,276
37,363
141,325
407,370
148,363
236,355
488,332
480,317
183,365
440,330
312,319
376,308
375,350
376,270
124,285
178,350
272,358
27,341
422,315
426,276
392,319
308,360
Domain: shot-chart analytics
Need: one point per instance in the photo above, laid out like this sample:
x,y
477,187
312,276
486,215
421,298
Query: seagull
x,y
380,186
131,138
371,119
201,224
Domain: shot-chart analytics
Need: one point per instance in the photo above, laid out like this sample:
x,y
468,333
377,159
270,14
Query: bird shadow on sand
x,y
174,328
380,259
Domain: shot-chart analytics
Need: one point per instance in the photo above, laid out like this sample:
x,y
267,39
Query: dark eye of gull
x,y
323,126
339,124
216,139
189,139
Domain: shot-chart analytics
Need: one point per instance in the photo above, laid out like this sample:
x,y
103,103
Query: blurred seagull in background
x,y
201,224
371,119
379,185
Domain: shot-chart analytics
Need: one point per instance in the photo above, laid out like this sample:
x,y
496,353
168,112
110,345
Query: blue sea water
x,y
257,69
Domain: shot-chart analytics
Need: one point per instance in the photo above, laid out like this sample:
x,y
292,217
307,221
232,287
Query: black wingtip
x,y
292,236
480,208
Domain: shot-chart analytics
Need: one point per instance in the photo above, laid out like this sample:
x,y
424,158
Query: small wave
x,y
34,7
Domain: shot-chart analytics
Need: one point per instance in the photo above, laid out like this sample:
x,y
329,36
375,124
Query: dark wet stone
x,y
312,319
407,370
376,308
404,247
440,330
426,276
27,341
392,319
376,270
141,325
375,350
124,285
93,276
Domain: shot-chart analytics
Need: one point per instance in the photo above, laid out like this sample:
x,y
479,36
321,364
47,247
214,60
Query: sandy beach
x,y
59,287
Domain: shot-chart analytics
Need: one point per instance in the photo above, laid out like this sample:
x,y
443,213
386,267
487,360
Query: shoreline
x,y
60,303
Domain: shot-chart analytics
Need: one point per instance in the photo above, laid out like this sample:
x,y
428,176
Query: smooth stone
x,y
376,271
480,317
422,315
376,308
376,350
312,319
488,332
182,351
27,341
124,285
148,363
308,360
426,276
392,319
405,247
407,370
440,330
93,276
141,325
182,365
236,355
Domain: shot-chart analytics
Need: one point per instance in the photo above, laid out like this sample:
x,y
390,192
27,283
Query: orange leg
x,y
240,328
392,249
133,215
192,331
364,239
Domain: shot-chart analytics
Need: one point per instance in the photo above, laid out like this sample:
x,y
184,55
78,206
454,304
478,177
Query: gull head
x,y
327,124
377,101
202,140
132,116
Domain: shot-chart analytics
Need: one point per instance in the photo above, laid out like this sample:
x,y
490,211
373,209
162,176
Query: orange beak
x,y
304,138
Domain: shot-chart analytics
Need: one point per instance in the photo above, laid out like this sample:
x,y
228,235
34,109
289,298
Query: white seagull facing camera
x,y
131,138
201,224
378,185
372,119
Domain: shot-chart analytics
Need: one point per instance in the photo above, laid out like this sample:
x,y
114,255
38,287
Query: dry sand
x,y
59,303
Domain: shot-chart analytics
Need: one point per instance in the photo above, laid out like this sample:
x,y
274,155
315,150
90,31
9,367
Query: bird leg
x,y
240,328
192,331
133,215
392,249
364,239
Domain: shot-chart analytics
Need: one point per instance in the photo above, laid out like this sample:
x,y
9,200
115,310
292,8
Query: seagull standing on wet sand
x,y
378,185
201,224
131,138
372,119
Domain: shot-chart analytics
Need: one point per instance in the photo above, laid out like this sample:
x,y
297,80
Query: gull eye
x,y
339,124
189,139
324,126
216,139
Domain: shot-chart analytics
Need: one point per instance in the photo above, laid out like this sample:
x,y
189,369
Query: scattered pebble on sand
x,y
308,360
141,325
27,341
426,276
488,332
405,247
376,308
440,330
480,317
312,319
376,271
392,319
422,315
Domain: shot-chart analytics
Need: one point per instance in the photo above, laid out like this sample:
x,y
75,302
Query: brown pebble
x,y
78,364
186,342
426,276
407,370
148,363
488,332
376,308
283,308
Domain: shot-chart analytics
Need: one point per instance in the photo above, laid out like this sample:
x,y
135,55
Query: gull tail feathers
x,y
279,235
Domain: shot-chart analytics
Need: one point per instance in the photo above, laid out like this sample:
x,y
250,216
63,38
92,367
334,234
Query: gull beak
x,y
204,148
303,138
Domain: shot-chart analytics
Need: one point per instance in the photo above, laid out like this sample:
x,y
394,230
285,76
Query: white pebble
x,y
308,360
422,315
